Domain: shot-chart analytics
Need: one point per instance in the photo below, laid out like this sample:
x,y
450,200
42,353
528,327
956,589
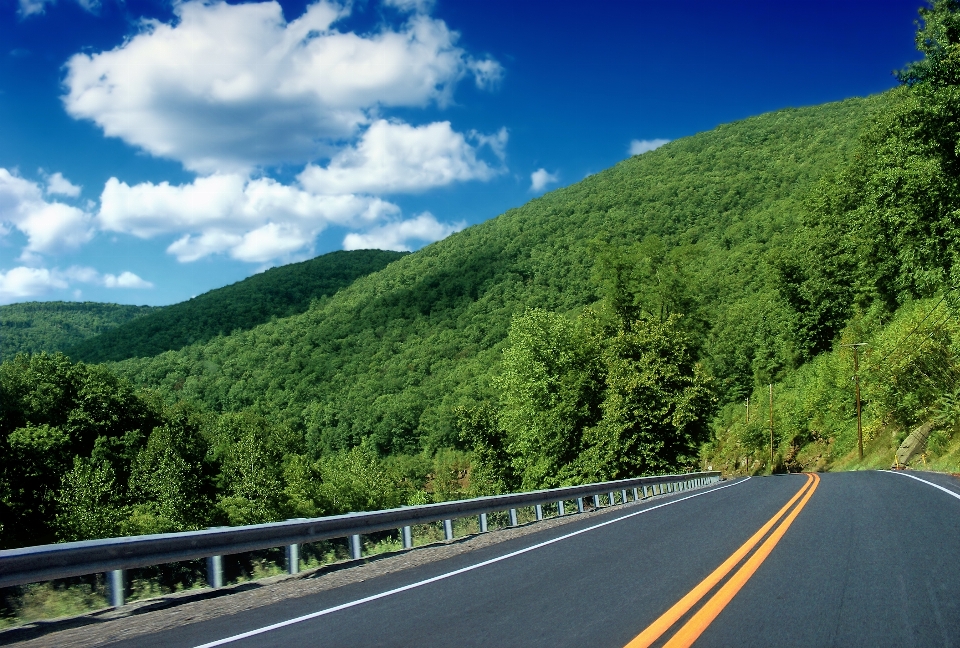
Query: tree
x,y
551,382
89,504
656,406
171,486
938,38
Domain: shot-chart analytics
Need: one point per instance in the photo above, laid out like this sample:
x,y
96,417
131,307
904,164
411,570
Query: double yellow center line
x,y
694,627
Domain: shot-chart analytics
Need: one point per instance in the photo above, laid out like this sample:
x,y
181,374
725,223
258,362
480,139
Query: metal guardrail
x,y
114,555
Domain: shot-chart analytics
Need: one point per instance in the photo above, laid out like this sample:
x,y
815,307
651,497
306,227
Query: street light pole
x,y
856,380
771,427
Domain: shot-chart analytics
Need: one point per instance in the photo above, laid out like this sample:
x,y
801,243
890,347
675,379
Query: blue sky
x,y
153,150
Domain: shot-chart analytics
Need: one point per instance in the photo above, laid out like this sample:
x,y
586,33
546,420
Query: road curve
x,y
846,559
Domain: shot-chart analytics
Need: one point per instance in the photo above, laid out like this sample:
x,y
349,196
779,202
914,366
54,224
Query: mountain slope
x,y
31,327
278,292
393,355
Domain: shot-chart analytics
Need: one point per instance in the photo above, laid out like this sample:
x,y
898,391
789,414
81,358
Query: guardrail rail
x,y
116,555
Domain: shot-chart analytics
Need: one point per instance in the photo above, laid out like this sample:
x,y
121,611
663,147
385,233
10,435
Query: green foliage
x,y
656,407
276,293
170,480
32,327
87,503
492,469
551,383
250,452
882,229
938,39
397,354
50,412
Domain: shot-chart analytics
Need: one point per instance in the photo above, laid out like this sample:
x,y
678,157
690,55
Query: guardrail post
x,y
560,508
579,505
215,571
623,494
596,501
355,549
117,587
636,494
483,523
513,517
293,559
539,512
612,501
448,530
406,534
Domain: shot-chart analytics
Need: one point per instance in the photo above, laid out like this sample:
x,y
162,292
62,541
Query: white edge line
x,y
374,597
930,483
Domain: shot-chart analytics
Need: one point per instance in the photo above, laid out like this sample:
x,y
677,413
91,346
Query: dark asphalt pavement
x,y
873,559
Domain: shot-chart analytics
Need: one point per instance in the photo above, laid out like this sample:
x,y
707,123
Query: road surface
x,y
847,559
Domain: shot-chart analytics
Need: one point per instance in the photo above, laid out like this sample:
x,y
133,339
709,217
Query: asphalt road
x,y
858,559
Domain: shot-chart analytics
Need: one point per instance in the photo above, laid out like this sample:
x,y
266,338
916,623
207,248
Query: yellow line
x,y
671,616
693,628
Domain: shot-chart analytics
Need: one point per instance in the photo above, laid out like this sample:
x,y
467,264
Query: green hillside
x,y
393,356
30,327
276,293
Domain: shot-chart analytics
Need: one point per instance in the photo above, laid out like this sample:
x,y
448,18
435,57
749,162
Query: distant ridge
x,y
276,293
32,327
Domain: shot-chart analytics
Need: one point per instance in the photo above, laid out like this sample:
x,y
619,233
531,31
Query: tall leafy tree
x,y
551,384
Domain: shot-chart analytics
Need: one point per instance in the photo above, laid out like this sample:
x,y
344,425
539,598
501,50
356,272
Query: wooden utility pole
x,y
856,380
771,427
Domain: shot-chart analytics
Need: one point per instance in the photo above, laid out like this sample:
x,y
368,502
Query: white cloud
x,y
125,280
397,157
540,178
251,220
497,142
228,87
49,226
399,235
58,185
638,147
24,282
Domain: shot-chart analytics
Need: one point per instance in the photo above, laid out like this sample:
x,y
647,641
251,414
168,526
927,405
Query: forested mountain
x,y
30,327
396,354
276,293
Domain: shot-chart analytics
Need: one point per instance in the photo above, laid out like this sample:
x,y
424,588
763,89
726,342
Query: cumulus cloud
x,y
125,280
49,226
251,220
642,146
396,157
400,235
229,87
58,185
540,178
24,282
